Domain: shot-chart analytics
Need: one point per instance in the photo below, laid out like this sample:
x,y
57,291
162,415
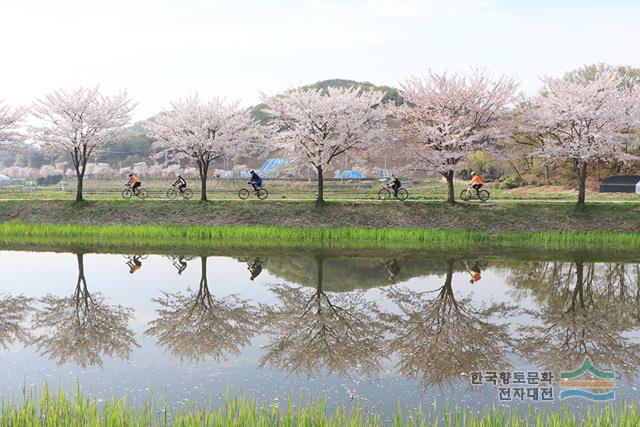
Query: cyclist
x,y
180,264
395,184
134,183
134,264
181,183
255,181
255,268
476,181
393,268
473,272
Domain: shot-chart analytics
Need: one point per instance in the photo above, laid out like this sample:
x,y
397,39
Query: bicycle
x,y
127,193
470,193
386,192
172,193
261,193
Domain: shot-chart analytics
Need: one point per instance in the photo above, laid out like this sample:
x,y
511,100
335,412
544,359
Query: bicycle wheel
x,y
172,193
127,193
262,193
187,193
483,195
243,194
384,194
403,194
142,193
465,195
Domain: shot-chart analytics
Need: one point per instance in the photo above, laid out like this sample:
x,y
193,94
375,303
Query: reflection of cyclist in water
x,y
393,268
134,264
180,264
474,272
255,267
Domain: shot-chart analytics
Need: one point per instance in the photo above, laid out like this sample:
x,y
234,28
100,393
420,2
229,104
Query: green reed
x,y
291,237
47,408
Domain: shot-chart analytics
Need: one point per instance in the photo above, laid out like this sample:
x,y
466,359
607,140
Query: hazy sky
x,y
160,49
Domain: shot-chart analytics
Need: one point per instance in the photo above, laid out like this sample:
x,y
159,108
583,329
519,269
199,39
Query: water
x,y
380,328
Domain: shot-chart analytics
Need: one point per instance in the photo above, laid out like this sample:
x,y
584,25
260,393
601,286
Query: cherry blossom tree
x,y
314,127
447,116
10,119
204,132
584,120
76,122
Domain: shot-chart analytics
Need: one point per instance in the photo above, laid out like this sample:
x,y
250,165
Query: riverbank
x,y
476,217
58,409
424,226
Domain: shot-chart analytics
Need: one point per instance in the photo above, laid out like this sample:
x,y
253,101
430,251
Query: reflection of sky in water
x,y
153,371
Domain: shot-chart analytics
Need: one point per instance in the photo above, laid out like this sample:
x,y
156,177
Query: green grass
x,y
310,237
59,409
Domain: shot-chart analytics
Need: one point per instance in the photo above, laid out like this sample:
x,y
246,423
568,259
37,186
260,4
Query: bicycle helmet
x,y
130,175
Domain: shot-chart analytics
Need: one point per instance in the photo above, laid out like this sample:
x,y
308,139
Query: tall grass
x,y
59,409
290,237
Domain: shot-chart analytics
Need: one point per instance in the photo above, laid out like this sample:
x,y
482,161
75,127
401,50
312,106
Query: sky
x,y
161,50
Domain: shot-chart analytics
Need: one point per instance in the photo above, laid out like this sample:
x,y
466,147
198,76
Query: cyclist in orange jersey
x,y
134,183
474,273
476,181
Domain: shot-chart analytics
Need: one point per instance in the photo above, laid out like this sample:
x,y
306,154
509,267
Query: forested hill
x,y
391,94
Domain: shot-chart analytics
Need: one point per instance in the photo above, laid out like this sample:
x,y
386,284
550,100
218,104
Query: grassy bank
x,y
48,409
423,226
194,237
497,217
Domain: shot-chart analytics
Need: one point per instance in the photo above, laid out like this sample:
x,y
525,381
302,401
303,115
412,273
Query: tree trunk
x,y
581,170
319,273
80,178
546,174
451,196
319,281
203,188
81,293
320,198
203,169
80,258
578,291
515,169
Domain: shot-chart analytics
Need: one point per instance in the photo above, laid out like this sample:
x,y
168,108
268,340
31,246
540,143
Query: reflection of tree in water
x,y
393,269
82,327
312,329
13,313
584,310
348,272
437,337
196,325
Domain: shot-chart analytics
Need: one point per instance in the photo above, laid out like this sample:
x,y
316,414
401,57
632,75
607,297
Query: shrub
x,y
49,180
